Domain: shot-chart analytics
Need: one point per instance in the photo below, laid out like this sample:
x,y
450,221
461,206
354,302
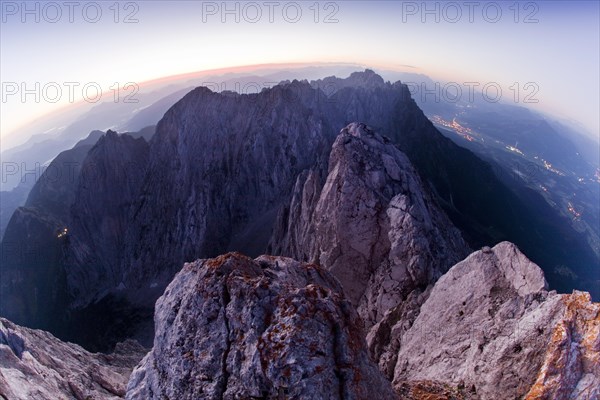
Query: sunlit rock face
x,y
270,328
490,329
571,367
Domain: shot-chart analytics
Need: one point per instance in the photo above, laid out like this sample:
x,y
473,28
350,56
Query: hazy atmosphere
x,y
552,44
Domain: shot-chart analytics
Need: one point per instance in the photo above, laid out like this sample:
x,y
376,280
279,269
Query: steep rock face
x,y
271,328
33,284
487,326
372,224
61,251
385,337
36,365
111,175
220,165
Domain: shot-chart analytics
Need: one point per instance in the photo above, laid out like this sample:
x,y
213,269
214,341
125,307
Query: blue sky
x,y
554,44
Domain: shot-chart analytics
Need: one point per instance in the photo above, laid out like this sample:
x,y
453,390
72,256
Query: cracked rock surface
x,y
571,367
36,365
270,328
372,223
489,327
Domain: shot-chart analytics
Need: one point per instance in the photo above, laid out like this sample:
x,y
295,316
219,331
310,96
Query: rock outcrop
x,y
270,328
372,223
489,327
571,367
36,365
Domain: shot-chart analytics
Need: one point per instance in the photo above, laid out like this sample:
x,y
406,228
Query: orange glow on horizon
x,y
163,81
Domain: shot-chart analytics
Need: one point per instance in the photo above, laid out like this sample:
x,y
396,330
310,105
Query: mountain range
x,y
372,220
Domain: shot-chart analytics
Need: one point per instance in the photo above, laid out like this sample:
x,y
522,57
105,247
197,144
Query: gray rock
x,y
385,337
270,328
221,164
36,365
371,223
571,368
487,326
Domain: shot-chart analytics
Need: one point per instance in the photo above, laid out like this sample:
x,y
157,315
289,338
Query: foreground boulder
x,y
36,365
270,328
491,330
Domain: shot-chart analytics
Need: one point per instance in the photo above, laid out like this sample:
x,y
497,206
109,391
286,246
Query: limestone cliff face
x,y
270,328
220,165
233,327
371,222
36,365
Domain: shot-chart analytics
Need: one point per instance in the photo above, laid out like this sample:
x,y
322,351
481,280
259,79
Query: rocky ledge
x,y
36,365
491,330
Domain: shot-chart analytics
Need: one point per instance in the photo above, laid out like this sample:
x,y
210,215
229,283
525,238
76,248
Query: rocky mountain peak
x,y
372,223
236,172
522,274
367,79
362,131
273,327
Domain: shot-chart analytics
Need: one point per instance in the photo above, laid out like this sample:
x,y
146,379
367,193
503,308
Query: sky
x,y
545,51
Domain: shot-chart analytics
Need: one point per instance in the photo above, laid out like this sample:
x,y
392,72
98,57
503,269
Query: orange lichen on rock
x,y
234,261
571,367
222,259
431,390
